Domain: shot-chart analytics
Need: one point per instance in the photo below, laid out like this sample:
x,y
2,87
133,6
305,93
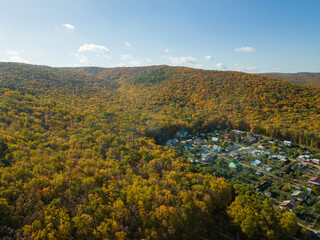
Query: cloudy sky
x,y
241,35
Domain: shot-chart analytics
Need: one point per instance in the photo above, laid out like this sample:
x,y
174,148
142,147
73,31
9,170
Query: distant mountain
x,y
304,78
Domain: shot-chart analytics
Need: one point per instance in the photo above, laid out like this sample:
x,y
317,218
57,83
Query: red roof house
x,y
314,181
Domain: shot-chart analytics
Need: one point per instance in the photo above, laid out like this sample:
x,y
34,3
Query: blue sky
x,y
241,35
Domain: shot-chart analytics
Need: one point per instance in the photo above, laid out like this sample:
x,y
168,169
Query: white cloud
x,y
246,69
82,59
135,63
199,66
68,26
13,56
168,50
125,57
183,60
245,49
132,63
149,60
93,48
121,65
127,44
209,58
221,66
12,53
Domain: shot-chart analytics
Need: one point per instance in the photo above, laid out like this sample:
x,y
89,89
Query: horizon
x,y
247,36
144,66
48,66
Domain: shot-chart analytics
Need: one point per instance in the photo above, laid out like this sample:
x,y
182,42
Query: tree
x,y
288,224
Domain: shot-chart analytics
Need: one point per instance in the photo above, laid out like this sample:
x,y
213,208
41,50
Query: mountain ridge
x,y
304,78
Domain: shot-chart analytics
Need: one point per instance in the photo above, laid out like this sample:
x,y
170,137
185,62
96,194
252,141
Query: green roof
x,y
233,163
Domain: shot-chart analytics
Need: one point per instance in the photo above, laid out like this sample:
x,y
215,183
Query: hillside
x,y
163,96
78,160
303,78
192,99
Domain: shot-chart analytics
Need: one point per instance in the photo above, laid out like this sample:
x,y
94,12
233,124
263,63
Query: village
x,y
286,173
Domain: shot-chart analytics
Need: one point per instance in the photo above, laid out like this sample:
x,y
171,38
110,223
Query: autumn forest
x,y
83,155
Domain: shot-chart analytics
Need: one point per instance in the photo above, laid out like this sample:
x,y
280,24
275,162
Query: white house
x,y
215,139
288,143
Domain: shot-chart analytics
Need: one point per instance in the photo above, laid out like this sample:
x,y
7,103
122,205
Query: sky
x,y
239,35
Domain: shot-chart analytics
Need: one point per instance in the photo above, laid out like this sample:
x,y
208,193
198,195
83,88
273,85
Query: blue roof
x,y
205,153
188,146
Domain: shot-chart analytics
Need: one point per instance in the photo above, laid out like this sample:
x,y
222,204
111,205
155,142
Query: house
x,y
305,158
172,142
188,146
296,187
198,142
298,196
288,204
182,134
314,181
234,164
288,143
215,139
263,186
217,148
236,156
237,131
227,137
205,153
208,158
215,134
269,169
256,163
260,152
309,190
282,150
268,194
316,161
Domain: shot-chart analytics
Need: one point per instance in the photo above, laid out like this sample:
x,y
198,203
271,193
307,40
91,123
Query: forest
x,y
82,153
304,78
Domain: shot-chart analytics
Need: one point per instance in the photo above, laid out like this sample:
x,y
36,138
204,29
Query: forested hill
x,y
160,97
304,78
191,98
77,158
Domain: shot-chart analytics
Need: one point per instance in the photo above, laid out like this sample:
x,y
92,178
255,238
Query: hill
x,y
176,97
304,78
193,99
78,160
